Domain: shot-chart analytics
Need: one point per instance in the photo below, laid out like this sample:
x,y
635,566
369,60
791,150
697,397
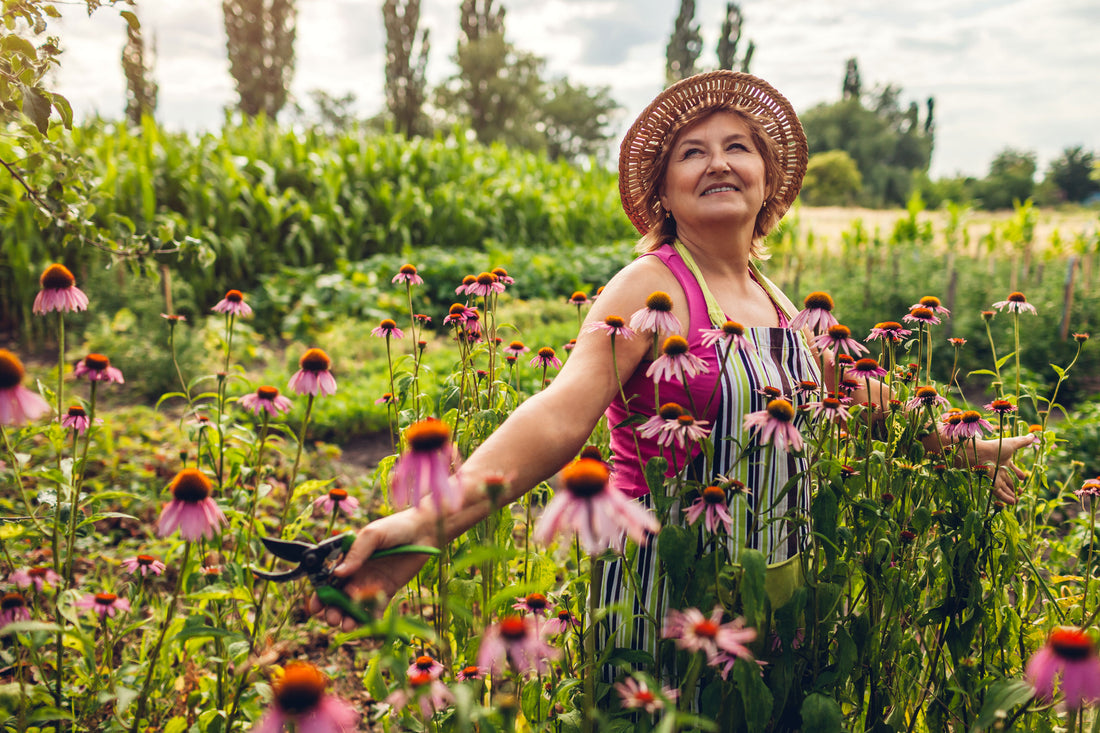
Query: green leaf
x,y
755,695
36,106
1002,697
64,109
15,44
753,594
202,632
28,627
131,19
676,548
821,713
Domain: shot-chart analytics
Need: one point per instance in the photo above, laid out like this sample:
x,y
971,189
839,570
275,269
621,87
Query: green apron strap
x,y
714,311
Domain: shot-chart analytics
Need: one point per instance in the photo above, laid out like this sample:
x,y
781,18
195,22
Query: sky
x,y
1004,73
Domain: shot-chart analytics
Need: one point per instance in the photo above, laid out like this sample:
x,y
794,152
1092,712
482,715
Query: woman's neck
x,y
719,255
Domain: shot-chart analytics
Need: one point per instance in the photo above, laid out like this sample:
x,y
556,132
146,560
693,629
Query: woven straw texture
x,y
642,144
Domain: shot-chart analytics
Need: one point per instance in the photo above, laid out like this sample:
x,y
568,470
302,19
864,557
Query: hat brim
x,y
643,142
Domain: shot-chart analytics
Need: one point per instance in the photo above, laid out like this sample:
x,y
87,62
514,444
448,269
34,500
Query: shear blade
x,y
291,550
278,577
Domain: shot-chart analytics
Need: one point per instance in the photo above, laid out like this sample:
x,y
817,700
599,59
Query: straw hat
x,y
643,143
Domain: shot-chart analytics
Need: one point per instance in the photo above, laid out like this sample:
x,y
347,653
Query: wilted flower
x,y
514,640
1091,487
233,304
106,605
588,506
299,699
1069,661
408,275
388,328
502,275
313,376
143,565
59,292
1016,303
560,622
36,577
656,316
676,362
424,469
18,404
76,417
191,510
97,368
13,607
817,315
337,499
775,425
635,694
613,325
266,399
711,505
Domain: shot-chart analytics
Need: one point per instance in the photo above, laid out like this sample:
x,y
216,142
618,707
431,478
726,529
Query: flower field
x,y
157,472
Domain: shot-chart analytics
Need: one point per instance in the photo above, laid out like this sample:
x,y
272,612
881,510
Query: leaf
x,y
753,594
1002,697
676,548
131,19
202,632
821,713
755,695
28,627
36,106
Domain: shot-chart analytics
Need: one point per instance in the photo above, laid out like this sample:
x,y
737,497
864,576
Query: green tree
x,y
406,61
684,45
1011,179
141,89
853,87
832,179
260,42
1071,174
729,39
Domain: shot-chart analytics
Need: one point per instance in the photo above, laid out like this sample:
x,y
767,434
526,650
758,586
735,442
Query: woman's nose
x,y
718,164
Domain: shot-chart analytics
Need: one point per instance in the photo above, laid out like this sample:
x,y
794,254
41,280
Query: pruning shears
x,y
316,562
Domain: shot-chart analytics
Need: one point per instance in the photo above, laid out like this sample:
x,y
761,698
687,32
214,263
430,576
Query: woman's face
x,y
715,174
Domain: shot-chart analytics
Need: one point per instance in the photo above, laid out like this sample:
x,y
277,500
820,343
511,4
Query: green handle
x,y
348,539
331,596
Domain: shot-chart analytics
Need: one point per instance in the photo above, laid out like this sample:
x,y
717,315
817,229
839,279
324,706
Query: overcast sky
x,y
1004,73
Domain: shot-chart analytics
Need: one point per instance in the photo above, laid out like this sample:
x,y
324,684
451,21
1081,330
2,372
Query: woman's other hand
x,y
1000,453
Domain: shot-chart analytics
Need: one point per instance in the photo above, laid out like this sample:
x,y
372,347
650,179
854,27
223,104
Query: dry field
x,y
828,223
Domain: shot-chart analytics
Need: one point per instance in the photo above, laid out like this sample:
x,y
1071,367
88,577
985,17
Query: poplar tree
x,y
684,45
406,60
729,40
260,41
141,89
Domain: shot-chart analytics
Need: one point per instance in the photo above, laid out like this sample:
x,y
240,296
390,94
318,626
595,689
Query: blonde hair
x,y
663,231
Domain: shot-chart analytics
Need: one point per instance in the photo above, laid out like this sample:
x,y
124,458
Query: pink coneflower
x,y
464,288
1016,303
425,664
634,694
471,673
13,607
486,283
407,275
569,345
472,324
515,641
695,632
711,505
546,358
59,292
431,694
731,335
299,699
578,298
97,368
515,349
560,622
173,318
502,275
191,510
36,577
932,303
1091,487
386,399
867,369
682,431
817,315
233,304
313,376
614,326
1080,337
424,469
830,408
457,314
533,603
676,362
663,421
337,499
971,425
891,331
839,338
586,505
926,396
1069,661
106,605
920,314
1001,407
806,388
656,316
266,399
388,329
18,404
76,417
775,425
143,565
423,319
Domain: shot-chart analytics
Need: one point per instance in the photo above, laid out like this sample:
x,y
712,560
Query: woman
x,y
705,173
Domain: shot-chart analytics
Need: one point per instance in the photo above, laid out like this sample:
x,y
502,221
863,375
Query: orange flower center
x,y
866,365
546,352
659,301
781,410
840,332
585,477
1070,643
516,346
337,495
971,416
831,403
685,420
706,628
930,301
427,436
1017,297
11,370
771,392
486,278
267,393
299,689
315,360
235,296
145,560
191,485
77,411
536,601
733,328
457,309
888,326
500,272
388,324
924,314
469,280
714,495
471,671
614,321
513,628
819,301
57,277
38,572
644,696
675,346
12,600
106,599
578,297
407,270
670,411
927,394
424,662
96,362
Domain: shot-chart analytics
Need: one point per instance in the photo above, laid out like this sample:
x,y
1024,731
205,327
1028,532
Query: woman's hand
x,y
999,453
376,581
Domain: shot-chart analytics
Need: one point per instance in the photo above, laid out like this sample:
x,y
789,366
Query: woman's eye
x,y
737,146
692,152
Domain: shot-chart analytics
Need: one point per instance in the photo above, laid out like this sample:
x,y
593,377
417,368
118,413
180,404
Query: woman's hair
x,y
663,231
